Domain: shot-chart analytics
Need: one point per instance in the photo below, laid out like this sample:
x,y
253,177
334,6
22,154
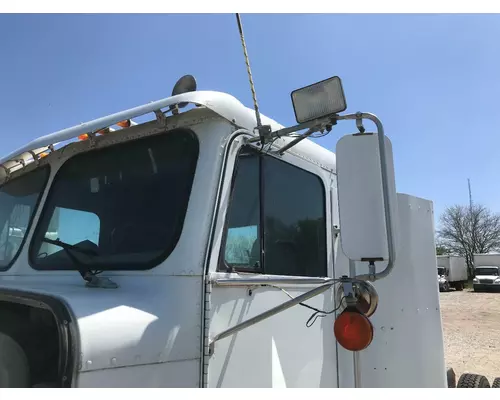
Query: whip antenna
x,y
249,71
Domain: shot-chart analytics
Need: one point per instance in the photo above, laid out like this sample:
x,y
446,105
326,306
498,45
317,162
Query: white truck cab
x,y
194,250
486,272
486,277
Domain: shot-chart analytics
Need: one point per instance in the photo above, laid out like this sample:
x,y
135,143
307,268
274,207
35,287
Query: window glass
x,y
18,200
243,236
126,203
289,212
72,227
294,220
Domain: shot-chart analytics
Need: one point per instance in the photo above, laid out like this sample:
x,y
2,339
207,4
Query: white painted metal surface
x,y
362,218
139,329
154,329
407,349
481,260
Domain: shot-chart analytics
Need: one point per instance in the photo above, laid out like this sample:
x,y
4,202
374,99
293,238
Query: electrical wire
x,y
317,312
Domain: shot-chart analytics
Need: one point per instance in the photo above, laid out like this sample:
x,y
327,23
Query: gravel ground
x,y
471,325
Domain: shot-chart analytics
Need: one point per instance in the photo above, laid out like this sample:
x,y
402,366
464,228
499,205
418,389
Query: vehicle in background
x,y
455,271
444,285
486,272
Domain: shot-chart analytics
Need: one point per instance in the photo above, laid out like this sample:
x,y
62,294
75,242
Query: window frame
x,y
222,265
143,266
33,213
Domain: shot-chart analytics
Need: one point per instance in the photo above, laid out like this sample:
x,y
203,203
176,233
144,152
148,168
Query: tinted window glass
x,y
18,200
291,218
294,220
126,202
72,227
243,235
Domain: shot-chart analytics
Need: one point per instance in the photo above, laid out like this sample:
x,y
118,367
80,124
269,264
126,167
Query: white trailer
x,y
486,272
455,270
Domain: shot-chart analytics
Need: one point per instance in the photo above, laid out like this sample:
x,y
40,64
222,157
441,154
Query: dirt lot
x,y
471,324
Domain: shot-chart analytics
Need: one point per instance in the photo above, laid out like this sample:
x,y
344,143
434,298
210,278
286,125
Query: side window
x,y
72,227
13,231
288,213
242,248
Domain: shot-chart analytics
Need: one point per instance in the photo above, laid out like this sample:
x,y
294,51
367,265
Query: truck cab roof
x,y
222,104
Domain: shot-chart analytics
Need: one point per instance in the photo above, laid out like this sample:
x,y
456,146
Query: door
x,y
274,222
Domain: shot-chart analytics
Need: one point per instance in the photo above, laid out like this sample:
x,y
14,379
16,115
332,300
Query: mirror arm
x,y
385,190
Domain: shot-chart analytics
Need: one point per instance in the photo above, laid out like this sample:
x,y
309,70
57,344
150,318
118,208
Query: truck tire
x,y
459,287
496,383
14,366
473,381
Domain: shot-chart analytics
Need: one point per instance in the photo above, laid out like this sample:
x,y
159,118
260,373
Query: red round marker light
x,y
353,330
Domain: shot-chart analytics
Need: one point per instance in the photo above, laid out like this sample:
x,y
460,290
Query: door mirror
x,y
362,210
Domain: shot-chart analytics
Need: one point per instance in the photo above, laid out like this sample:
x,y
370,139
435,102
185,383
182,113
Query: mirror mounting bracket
x,y
359,123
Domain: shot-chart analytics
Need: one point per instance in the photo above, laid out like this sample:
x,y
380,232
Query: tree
x,y
469,230
441,250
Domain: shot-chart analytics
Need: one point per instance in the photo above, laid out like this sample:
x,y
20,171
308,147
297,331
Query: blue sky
x,y
434,80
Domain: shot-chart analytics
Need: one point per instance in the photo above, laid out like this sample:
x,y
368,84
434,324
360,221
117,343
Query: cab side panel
x,y
407,349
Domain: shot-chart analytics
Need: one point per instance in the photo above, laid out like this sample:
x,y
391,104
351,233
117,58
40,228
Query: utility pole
x,y
471,261
470,197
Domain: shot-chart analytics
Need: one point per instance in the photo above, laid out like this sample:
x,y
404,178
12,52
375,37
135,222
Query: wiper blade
x,y
67,246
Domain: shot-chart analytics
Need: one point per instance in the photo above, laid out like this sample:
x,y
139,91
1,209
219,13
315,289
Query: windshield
x,y
125,203
486,271
440,271
18,200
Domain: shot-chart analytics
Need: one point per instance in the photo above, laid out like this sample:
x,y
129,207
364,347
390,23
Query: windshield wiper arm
x,y
87,274
84,271
67,246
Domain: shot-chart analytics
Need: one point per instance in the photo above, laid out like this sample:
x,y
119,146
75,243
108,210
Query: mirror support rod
x,y
385,190
269,313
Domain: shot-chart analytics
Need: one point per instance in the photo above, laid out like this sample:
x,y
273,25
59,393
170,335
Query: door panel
x,y
287,232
